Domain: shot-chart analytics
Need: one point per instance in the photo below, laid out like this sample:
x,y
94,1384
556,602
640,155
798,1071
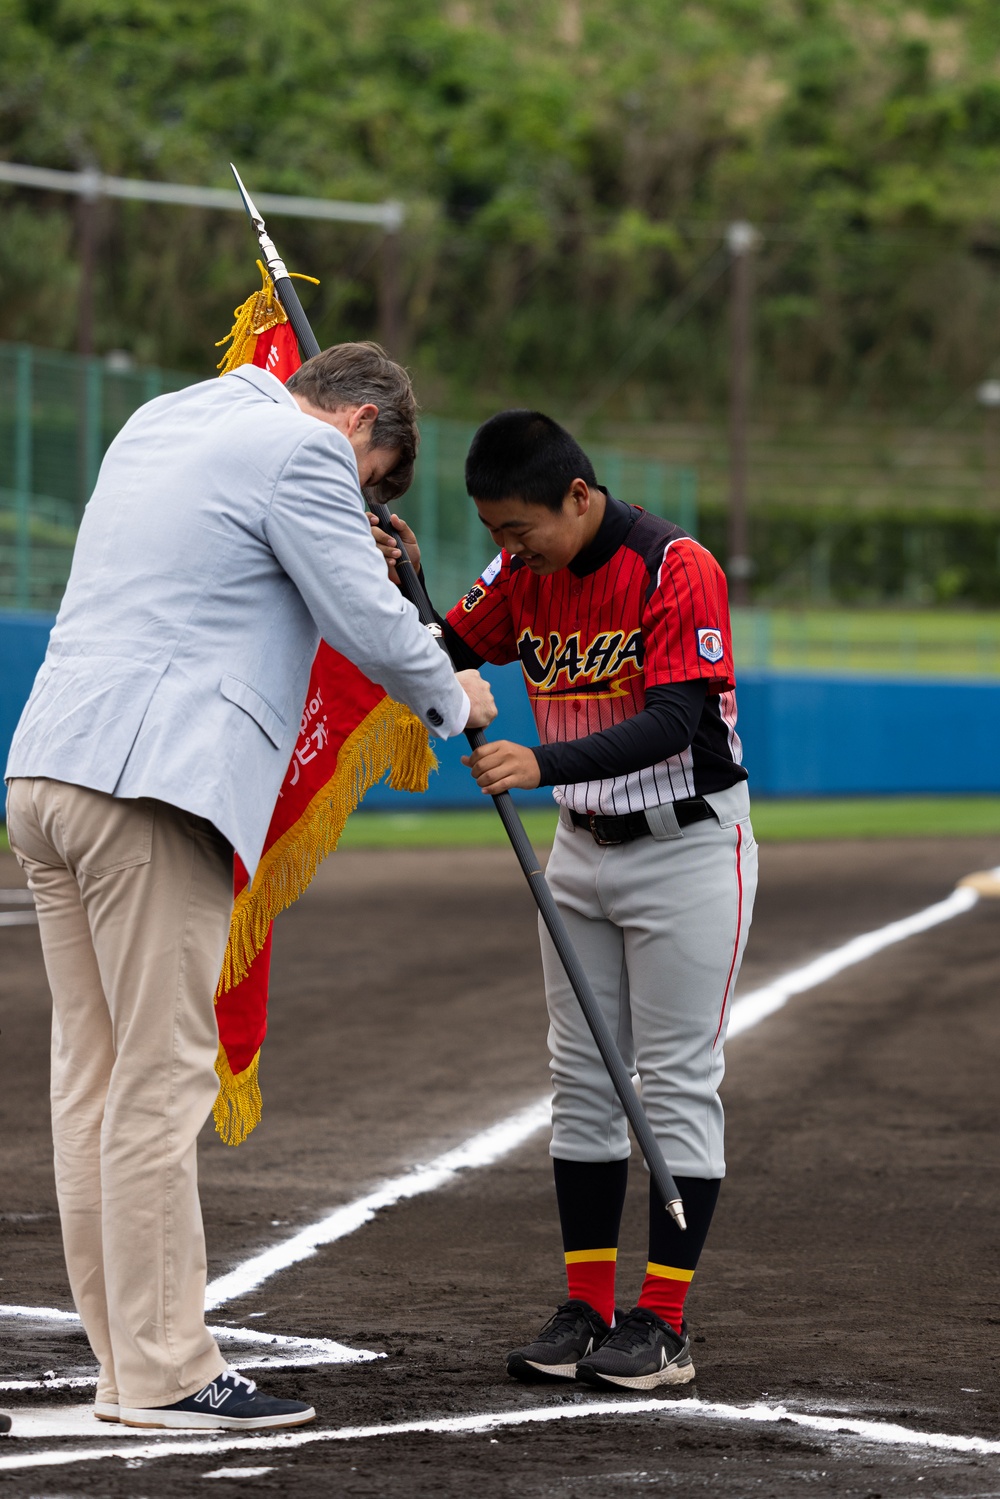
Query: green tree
x,y
566,166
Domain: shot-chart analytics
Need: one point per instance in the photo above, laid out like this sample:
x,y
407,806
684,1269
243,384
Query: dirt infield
x,y
852,1270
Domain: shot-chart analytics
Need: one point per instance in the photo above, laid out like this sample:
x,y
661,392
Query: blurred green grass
x,y
883,642
774,822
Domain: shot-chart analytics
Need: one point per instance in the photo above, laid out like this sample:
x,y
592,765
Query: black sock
x,y
591,1196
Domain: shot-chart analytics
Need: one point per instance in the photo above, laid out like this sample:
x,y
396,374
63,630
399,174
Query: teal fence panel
x,y
59,413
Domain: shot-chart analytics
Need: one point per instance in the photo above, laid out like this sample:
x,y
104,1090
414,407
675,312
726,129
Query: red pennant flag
x,y
351,734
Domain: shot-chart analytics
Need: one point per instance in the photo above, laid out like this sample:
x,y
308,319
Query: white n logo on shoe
x,y
214,1395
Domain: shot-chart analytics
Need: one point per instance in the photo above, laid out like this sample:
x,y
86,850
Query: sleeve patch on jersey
x,y
475,593
491,572
710,645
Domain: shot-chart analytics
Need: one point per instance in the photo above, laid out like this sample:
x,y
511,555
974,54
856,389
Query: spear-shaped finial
x,y
286,293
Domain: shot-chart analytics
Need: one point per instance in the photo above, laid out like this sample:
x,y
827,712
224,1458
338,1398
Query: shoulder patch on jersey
x,y
492,571
710,645
475,593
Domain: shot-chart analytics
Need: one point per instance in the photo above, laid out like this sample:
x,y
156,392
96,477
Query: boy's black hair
x,y
525,455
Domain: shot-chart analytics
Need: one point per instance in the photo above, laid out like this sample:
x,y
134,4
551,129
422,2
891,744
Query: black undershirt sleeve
x,y
666,725
463,657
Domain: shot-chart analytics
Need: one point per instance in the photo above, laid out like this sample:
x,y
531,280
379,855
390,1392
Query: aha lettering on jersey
x,y
586,668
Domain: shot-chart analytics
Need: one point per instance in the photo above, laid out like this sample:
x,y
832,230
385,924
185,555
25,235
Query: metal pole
x,y
741,239
988,396
687,512
93,437
22,478
389,311
87,235
388,215
427,490
614,473
654,488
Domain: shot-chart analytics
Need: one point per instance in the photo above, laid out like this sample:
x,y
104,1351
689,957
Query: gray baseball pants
x,y
660,925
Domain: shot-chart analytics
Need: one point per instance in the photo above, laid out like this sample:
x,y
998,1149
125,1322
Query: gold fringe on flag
x,y
253,317
389,738
239,1106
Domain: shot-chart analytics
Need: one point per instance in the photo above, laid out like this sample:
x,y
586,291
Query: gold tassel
x,y
390,738
238,1107
261,311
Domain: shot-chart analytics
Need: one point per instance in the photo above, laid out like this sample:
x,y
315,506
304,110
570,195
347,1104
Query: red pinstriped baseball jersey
x,y
643,605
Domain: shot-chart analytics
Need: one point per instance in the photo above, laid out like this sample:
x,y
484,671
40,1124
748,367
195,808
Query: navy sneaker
x,y
641,1353
573,1331
229,1403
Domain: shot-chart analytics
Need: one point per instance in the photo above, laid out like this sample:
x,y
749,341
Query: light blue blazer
x,y
226,534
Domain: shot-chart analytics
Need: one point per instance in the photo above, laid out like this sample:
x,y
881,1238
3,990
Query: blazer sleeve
x,y
317,528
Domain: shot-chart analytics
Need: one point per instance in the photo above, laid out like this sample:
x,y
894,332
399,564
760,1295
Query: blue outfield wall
x,y
23,638
809,735
803,735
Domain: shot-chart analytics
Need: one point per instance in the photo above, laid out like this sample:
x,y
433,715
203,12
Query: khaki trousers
x,y
133,902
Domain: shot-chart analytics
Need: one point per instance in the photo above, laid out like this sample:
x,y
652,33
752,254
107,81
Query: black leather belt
x,y
608,831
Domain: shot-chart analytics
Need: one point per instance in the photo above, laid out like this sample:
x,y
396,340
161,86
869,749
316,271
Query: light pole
x,y
988,396
389,309
87,210
741,239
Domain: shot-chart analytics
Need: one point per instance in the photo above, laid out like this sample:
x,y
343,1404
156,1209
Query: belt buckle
x,y
601,842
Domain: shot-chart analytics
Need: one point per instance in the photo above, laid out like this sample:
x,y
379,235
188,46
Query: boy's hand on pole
x,y
503,766
389,549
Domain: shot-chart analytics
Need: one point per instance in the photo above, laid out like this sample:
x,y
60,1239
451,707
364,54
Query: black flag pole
x,y
414,590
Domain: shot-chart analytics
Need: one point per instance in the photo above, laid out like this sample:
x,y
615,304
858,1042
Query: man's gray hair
x,y
359,374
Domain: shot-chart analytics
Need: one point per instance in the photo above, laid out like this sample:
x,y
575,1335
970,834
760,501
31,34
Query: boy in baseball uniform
x,y
621,624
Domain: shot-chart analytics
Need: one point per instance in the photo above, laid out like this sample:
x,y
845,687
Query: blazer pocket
x,y
258,707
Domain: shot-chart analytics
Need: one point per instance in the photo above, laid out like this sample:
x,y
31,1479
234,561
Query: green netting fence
x,y
59,412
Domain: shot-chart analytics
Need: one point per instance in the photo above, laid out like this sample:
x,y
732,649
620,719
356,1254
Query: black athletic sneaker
x,y
641,1353
229,1403
573,1331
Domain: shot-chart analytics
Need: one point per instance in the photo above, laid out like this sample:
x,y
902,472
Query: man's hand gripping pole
x,y
414,590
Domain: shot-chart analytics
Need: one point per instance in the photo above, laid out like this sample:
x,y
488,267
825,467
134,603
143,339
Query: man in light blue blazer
x,y
227,534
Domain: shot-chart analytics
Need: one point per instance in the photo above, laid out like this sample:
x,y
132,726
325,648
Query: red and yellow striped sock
x,y
663,1292
590,1276
673,1253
